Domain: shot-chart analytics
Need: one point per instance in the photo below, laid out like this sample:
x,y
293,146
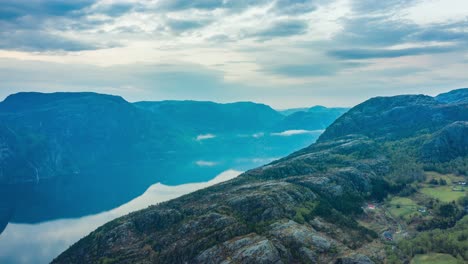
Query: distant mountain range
x,y
210,117
60,151
317,117
317,108
309,206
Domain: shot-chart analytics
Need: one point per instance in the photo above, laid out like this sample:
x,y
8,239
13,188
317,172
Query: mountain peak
x,y
30,99
393,117
299,209
454,96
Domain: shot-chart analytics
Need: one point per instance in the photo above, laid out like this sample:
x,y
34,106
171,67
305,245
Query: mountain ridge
x,y
301,208
61,148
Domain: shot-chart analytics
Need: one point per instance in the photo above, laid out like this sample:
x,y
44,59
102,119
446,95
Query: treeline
x,y
457,166
446,215
453,241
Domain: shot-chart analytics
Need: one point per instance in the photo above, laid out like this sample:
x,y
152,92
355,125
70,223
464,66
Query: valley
x,y
372,189
61,149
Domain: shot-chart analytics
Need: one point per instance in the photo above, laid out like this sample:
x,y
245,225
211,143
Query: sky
x,y
285,53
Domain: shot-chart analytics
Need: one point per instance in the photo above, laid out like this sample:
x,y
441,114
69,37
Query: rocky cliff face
x,y
300,209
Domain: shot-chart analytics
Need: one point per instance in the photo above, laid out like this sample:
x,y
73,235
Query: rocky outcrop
x,y
257,217
299,209
251,248
355,259
396,117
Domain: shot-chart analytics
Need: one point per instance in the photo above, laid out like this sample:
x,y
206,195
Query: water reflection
x,y
33,236
40,243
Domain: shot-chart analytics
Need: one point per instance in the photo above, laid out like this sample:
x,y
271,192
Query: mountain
x,y
290,111
455,96
58,151
308,206
314,118
396,117
61,148
210,117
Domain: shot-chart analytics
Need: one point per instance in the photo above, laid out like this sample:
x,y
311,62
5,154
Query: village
x,y
398,217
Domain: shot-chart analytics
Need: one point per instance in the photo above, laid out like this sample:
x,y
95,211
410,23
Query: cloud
x,y
180,25
289,133
31,40
133,81
294,7
311,70
386,35
282,28
204,163
374,31
14,9
387,29
290,52
398,72
180,5
205,137
304,70
48,25
258,135
114,9
358,54
452,32
174,5
367,7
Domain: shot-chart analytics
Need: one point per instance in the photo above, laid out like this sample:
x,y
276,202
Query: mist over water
x,y
226,156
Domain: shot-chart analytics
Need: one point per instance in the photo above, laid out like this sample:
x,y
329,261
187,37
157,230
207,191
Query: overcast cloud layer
x,y
284,53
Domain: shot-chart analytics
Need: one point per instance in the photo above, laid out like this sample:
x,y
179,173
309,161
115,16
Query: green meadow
x,y
402,207
434,258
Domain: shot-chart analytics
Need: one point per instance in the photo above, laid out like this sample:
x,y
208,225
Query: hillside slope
x,y
64,147
300,209
59,151
210,117
314,118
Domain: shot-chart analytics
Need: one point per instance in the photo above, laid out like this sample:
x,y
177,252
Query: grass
x,y
406,206
450,178
434,258
443,193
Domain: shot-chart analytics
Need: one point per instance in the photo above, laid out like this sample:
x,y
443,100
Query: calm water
x,y
221,158
40,243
